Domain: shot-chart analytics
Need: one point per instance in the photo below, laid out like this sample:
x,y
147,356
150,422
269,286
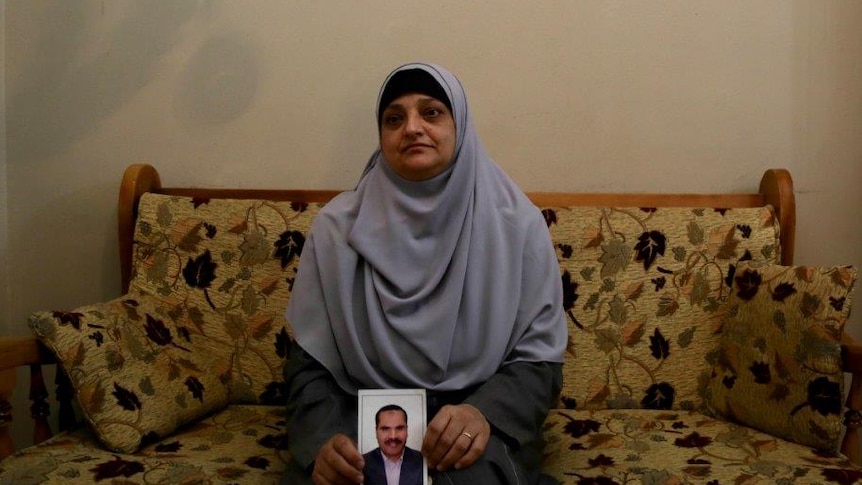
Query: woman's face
x,y
417,136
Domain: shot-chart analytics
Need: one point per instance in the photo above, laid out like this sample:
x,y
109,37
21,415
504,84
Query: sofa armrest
x,y
27,351
851,357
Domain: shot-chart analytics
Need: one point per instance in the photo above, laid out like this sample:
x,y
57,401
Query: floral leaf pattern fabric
x,y
778,365
643,290
240,444
130,382
222,270
646,293
627,446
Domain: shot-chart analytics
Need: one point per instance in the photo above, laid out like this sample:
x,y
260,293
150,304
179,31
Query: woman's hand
x,y
457,436
338,462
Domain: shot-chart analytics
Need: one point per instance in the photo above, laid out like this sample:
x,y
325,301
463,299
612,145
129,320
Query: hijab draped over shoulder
x,y
433,284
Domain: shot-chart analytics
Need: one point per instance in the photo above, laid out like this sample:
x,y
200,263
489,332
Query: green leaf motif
x,y
700,289
679,254
615,257
163,215
685,338
250,302
618,312
810,305
695,233
157,271
146,386
234,325
607,339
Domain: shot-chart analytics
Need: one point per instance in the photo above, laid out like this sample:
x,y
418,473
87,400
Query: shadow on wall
x,y
57,96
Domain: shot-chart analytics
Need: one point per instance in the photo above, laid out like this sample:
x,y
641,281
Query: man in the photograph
x,y
392,462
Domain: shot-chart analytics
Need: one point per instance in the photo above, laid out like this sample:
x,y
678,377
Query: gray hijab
x,y
433,284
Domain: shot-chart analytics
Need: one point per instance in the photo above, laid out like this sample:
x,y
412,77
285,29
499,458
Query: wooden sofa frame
x,y
776,189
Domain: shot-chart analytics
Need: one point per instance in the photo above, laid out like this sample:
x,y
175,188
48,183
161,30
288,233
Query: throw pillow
x,y
778,365
137,375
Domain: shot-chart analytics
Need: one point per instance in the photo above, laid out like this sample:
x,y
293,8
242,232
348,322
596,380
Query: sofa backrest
x,y
643,292
642,287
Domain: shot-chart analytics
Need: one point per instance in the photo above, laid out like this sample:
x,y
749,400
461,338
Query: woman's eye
x,y
432,112
392,119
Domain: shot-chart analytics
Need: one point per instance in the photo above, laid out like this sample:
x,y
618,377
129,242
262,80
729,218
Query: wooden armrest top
x,y
19,351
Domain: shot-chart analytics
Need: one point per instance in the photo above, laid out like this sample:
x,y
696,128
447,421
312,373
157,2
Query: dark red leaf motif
x,y
720,210
200,273
650,245
157,331
126,398
697,461
569,402
116,468
282,344
658,282
824,396
659,346
837,303
648,210
172,447
746,256
601,461
731,271
577,428
570,296
274,441
69,318
275,394
210,230
782,291
597,480
196,388
289,246
745,229
299,206
729,381
565,250
257,462
761,372
842,475
693,440
550,216
659,396
199,201
97,337
748,283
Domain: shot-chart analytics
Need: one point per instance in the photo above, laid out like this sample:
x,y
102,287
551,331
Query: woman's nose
x,y
414,123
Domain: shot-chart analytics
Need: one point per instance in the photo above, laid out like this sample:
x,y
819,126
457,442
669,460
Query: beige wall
x,y
590,95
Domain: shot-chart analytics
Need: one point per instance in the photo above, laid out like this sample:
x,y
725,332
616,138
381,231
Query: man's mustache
x,y
394,441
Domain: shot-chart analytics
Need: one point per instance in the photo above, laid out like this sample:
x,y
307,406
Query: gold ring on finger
x,y
468,435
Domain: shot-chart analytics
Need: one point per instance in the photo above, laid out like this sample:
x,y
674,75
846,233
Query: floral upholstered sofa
x,y
697,352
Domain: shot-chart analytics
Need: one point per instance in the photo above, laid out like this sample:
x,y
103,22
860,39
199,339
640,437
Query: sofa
x,y
697,353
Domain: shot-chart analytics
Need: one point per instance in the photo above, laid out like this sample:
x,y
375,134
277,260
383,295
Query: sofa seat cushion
x,y
240,444
653,446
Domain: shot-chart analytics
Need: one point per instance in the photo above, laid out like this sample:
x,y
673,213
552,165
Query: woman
x,y
436,272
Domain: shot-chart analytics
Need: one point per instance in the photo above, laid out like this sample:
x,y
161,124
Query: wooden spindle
x,y
7,446
39,408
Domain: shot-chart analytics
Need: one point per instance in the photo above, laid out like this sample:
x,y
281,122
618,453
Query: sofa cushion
x,y
137,374
645,446
778,367
643,289
240,444
223,269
